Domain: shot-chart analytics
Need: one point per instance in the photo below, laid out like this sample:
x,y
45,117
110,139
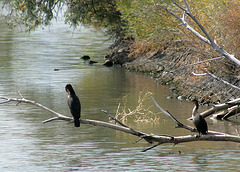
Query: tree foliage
x,y
34,13
141,19
151,25
31,13
100,14
147,23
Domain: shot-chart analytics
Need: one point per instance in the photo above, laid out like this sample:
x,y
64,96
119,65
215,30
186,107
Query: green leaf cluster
x,y
35,13
30,13
99,14
146,22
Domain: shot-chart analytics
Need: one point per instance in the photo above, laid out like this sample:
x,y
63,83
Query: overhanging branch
x,y
206,39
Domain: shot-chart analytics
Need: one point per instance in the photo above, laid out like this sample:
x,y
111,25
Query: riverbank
x,y
173,66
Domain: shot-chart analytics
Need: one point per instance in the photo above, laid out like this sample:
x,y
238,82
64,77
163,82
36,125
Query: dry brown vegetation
x,y
231,28
142,112
221,20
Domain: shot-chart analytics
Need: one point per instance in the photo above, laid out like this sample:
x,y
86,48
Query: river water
x,y
27,63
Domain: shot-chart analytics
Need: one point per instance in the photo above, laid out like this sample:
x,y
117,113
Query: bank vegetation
x,y
180,44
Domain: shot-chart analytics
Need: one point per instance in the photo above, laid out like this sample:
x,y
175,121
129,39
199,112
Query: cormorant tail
x,y
76,122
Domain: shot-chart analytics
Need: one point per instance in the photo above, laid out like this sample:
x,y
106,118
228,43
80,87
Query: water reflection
x,y
27,63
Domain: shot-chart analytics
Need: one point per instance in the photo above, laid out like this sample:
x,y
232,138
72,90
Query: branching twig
x,y
179,124
145,150
7,100
115,119
216,78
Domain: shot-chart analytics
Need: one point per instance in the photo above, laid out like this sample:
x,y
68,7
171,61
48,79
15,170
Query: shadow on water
x,y
27,63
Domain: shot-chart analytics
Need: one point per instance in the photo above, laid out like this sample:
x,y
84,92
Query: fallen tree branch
x,y
207,38
231,112
221,107
227,113
199,74
160,139
115,119
23,100
124,128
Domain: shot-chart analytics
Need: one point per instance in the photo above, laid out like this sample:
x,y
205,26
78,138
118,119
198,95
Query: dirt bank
x,y
172,66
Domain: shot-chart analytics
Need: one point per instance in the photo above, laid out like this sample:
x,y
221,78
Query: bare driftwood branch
x,y
199,74
207,38
159,139
179,124
231,112
124,128
226,109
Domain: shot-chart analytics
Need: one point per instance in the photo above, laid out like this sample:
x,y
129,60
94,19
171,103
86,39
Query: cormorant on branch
x,y
73,104
199,122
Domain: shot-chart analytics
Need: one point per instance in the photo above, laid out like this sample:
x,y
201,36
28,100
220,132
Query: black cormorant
x,y
199,122
73,104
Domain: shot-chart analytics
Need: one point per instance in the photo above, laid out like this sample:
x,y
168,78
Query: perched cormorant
x,y
73,104
199,122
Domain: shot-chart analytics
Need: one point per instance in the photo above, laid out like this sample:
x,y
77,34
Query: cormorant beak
x,y
67,90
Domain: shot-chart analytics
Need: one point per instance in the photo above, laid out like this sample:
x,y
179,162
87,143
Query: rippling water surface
x,y
27,63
